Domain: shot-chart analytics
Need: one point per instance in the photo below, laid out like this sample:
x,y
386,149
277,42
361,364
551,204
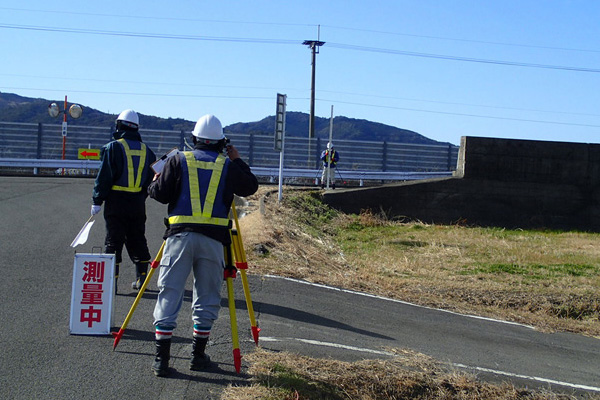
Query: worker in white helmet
x,y
330,158
122,184
198,186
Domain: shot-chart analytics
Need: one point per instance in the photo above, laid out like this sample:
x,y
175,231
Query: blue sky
x,y
523,69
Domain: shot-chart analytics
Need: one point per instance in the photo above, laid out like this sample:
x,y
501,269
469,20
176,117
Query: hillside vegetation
x,y
15,108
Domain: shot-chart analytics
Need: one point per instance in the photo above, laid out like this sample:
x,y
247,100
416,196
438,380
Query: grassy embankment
x,y
546,279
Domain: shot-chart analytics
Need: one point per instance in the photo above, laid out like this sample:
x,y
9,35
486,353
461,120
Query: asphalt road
x,y
41,359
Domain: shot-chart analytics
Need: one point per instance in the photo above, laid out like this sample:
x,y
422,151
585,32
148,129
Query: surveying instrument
x,y
235,260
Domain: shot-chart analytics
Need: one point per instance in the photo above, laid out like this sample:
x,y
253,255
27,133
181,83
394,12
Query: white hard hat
x,y
208,127
129,118
330,145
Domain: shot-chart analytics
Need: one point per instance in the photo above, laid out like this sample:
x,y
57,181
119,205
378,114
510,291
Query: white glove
x,y
96,209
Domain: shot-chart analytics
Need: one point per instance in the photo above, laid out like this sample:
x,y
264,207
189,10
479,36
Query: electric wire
x,y
331,101
288,42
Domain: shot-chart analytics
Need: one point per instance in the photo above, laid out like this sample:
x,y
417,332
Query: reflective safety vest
x,y
201,200
131,181
329,157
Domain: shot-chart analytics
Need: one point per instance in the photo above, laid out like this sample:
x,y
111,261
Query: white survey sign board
x,y
92,295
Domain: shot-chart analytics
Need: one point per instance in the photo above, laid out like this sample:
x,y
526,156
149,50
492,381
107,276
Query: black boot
x,y
163,354
116,276
200,360
141,272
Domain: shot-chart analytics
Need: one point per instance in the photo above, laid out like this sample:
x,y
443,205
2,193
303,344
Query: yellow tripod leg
x,y
153,265
230,273
242,265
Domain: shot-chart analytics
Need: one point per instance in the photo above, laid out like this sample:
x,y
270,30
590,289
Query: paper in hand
x,y
159,164
83,234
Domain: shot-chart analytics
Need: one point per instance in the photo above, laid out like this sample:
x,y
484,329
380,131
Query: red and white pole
x,y
64,132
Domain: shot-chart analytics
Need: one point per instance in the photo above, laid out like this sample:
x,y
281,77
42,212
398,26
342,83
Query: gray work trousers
x,y
184,253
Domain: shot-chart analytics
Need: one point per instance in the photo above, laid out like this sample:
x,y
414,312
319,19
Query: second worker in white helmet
x,y
198,187
122,185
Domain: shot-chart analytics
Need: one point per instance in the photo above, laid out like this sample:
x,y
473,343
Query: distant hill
x,y
15,108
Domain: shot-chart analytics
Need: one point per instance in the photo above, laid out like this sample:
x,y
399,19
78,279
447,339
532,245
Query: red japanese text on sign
x,y
91,293
91,315
94,271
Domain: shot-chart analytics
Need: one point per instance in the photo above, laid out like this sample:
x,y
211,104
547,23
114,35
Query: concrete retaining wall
x,y
498,182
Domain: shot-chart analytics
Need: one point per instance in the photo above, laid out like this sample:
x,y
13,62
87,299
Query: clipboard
x,y
159,164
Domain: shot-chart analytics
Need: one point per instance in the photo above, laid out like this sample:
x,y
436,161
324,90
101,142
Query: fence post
x,y
384,157
251,150
182,140
39,140
318,153
449,157
39,145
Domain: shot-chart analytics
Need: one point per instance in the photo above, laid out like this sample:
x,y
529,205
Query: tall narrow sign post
x,y
280,136
330,141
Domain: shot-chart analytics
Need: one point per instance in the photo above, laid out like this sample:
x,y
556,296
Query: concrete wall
x,y
498,182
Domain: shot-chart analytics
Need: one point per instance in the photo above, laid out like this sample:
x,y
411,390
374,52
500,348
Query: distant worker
x,y
122,185
330,158
199,187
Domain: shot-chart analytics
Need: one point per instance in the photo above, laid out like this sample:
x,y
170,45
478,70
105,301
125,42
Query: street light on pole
x,y
74,111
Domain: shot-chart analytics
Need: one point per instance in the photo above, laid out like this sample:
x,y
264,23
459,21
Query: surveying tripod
x,y
235,259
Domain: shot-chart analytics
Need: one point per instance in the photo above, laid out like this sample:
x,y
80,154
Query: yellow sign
x,y
88,154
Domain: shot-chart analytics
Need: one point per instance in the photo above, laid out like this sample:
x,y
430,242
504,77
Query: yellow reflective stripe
x,y
189,219
209,200
126,189
137,185
202,215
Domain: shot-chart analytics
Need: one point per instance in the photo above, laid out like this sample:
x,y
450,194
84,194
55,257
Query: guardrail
x,y
86,167
45,141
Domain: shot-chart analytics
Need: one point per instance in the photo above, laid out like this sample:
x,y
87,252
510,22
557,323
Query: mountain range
x,y
15,108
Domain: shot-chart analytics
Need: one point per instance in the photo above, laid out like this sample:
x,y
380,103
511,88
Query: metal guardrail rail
x,y
77,167
44,141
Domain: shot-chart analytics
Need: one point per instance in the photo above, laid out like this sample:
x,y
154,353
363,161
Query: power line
x,y
297,90
330,101
148,35
530,46
221,21
462,114
143,94
236,22
147,82
456,58
459,104
281,41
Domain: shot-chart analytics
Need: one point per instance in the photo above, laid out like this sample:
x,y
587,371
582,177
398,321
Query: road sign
x,y
280,122
88,154
92,294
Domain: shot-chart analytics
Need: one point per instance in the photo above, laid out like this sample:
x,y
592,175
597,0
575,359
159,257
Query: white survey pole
x,y
330,141
280,137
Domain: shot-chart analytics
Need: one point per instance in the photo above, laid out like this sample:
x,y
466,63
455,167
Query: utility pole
x,y
314,46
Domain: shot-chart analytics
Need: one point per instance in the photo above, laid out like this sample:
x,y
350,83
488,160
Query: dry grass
x,y
545,279
548,280
407,376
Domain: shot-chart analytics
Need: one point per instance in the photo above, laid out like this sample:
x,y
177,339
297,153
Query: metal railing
x,y
31,143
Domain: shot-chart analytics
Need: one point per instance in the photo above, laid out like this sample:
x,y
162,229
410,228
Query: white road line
x,y
328,344
457,365
397,301
533,378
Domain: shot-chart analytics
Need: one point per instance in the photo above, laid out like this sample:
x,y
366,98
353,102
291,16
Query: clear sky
x,y
523,69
